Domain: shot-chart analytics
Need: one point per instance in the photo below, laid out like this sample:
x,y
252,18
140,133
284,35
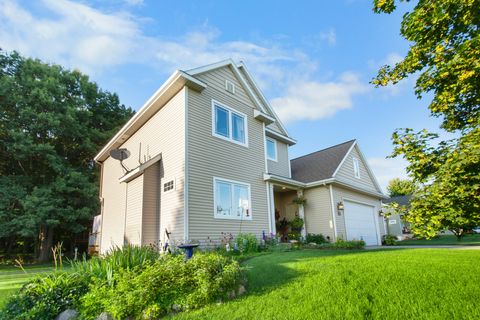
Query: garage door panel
x,y
360,222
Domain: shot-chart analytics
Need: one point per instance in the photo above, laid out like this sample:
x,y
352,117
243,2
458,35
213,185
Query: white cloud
x,y
310,100
387,169
330,36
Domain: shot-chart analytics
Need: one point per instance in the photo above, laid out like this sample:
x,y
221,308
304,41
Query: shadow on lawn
x,y
268,272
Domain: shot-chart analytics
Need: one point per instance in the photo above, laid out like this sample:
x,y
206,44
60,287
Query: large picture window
x,y
232,200
229,124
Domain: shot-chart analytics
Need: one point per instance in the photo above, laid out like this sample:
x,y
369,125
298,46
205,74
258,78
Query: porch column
x,y
301,215
273,229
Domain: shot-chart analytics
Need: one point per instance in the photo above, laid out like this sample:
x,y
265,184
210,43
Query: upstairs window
x,y
229,124
356,168
271,149
232,200
169,186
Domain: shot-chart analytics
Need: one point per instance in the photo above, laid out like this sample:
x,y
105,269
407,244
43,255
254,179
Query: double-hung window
x,y
271,149
232,200
229,124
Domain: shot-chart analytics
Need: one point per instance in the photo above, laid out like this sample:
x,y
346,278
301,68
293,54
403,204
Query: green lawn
x,y
468,239
12,278
385,284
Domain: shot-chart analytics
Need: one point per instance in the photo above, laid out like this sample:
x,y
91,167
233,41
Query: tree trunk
x,y
46,241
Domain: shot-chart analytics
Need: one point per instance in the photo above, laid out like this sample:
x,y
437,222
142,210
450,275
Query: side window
x,y
169,186
271,149
356,168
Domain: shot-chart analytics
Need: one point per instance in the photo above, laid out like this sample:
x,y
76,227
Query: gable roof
x,y
174,84
240,71
320,165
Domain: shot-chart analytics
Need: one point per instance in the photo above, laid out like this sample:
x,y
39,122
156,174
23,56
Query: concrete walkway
x,y
457,247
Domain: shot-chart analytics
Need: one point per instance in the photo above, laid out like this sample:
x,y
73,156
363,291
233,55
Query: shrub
x,y
352,244
246,242
389,240
168,285
127,257
45,297
315,238
297,223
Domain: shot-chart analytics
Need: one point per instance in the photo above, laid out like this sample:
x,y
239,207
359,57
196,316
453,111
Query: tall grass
x,y
125,258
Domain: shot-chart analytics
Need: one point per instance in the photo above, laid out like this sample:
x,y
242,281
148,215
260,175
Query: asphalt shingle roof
x,y
401,200
319,165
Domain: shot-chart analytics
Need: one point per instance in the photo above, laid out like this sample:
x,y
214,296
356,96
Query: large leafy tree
x,y
52,122
445,54
400,187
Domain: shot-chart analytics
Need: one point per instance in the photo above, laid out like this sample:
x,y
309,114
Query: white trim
x,y
269,208
262,97
375,216
265,148
275,159
334,216
232,182
209,67
228,82
282,180
149,104
356,167
289,163
140,169
280,137
344,158
272,210
186,173
261,116
165,181
231,111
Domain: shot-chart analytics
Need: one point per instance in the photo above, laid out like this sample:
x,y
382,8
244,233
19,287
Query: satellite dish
x,y
120,154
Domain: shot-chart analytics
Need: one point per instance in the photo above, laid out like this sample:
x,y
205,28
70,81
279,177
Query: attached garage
x,y
360,222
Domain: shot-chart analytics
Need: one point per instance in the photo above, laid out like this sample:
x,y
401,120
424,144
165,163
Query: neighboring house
x,y
210,156
396,224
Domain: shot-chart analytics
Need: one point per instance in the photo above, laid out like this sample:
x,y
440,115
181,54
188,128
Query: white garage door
x,y
360,222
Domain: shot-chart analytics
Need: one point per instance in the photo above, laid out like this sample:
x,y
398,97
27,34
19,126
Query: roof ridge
x,y
311,153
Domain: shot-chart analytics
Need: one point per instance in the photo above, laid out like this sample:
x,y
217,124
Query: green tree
x,y
52,122
400,187
445,54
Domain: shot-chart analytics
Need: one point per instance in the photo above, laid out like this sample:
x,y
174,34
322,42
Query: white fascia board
x,y
140,169
176,76
283,180
280,137
370,172
210,67
259,115
262,96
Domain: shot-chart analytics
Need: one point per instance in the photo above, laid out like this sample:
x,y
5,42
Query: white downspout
x,y
333,214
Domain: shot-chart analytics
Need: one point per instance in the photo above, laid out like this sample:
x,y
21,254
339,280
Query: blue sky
x,y
312,59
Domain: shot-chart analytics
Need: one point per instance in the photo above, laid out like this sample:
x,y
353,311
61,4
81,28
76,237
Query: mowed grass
x,y
12,278
468,239
386,284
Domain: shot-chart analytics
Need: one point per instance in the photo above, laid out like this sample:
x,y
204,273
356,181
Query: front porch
x,y
286,208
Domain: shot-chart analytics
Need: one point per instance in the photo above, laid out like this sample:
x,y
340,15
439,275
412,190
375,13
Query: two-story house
x,y
208,155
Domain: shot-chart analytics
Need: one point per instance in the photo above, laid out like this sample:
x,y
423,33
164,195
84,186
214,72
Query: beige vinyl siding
x,y
346,173
210,157
215,79
114,199
274,126
133,219
151,202
163,133
281,166
318,212
340,194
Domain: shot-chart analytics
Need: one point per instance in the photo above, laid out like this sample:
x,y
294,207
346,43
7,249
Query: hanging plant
x,y
300,200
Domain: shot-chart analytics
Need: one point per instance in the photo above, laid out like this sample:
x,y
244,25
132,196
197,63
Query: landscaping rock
x,y
105,316
241,290
68,314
